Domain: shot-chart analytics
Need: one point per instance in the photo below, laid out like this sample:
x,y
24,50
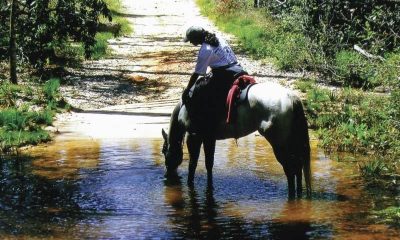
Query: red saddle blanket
x,y
234,93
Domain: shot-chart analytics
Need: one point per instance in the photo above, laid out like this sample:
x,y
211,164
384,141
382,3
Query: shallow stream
x,y
103,187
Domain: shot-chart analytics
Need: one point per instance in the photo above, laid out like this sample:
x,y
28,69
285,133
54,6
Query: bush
x,y
11,140
390,215
352,69
25,111
9,94
42,26
332,28
259,34
354,121
15,120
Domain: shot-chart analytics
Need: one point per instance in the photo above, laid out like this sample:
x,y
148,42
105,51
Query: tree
x,y
40,27
12,45
256,3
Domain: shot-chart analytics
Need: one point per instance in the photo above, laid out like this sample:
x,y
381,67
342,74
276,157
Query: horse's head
x,y
173,154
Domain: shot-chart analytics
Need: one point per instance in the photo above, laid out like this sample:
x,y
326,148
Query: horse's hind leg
x,y
283,156
209,150
193,143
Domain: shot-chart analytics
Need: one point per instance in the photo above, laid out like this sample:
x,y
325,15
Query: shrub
x,y
9,94
390,215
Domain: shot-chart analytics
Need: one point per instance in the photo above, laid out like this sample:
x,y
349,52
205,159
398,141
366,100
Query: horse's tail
x,y
301,133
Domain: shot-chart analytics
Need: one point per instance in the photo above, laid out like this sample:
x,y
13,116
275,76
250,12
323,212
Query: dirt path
x,y
153,64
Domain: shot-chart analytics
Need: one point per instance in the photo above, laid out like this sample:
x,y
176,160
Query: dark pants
x,y
207,105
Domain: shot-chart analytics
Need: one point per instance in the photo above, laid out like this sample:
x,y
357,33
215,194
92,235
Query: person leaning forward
x,y
215,53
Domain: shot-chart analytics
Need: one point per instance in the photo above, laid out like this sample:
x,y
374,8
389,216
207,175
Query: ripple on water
x,y
107,189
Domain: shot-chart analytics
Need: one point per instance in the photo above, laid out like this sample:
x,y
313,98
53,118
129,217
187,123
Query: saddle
x,y
238,94
208,104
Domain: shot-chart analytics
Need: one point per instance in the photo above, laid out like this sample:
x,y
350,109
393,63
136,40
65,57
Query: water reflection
x,y
31,205
106,188
198,215
67,159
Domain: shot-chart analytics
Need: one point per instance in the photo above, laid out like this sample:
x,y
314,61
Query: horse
x,y
278,115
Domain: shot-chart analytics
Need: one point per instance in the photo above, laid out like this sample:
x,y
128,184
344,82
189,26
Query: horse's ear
x,y
164,134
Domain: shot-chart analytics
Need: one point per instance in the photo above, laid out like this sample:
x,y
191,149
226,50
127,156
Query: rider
x,y
218,55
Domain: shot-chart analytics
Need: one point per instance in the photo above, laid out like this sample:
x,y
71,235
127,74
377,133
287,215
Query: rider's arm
x,y
203,61
192,80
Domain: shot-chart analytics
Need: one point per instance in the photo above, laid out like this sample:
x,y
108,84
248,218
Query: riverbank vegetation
x,y
353,47
25,112
38,41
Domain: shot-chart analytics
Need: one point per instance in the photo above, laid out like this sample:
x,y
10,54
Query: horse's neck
x,y
176,130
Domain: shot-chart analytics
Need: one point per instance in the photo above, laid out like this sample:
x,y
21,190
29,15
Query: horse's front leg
x,y
193,143
209,150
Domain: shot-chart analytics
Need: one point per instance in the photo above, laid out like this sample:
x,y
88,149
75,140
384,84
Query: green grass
x,y
373,169
26,111
116,9
9,94
20,127
120,26
10,141
261,36
390,215
349,120
51,89
100,49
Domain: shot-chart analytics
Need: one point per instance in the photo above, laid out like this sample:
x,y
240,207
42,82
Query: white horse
x,y
276,112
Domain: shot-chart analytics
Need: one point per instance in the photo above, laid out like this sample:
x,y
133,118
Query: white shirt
x,y
214,57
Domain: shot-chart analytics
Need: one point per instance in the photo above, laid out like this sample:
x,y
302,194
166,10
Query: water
x,y
102,188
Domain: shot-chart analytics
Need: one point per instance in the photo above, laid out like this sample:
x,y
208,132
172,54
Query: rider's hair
x,y
211,39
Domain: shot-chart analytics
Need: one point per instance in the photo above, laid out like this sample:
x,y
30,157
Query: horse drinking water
x,y
276,112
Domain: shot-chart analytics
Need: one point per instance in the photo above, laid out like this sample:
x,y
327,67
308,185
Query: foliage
x,y
9,94
20,127
44,26
51,90
25,111
260,35
230,6
351,120
356,121
337,25
100,47
320,35
11,140
3,29
21,119
391,215
352,69
373,169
